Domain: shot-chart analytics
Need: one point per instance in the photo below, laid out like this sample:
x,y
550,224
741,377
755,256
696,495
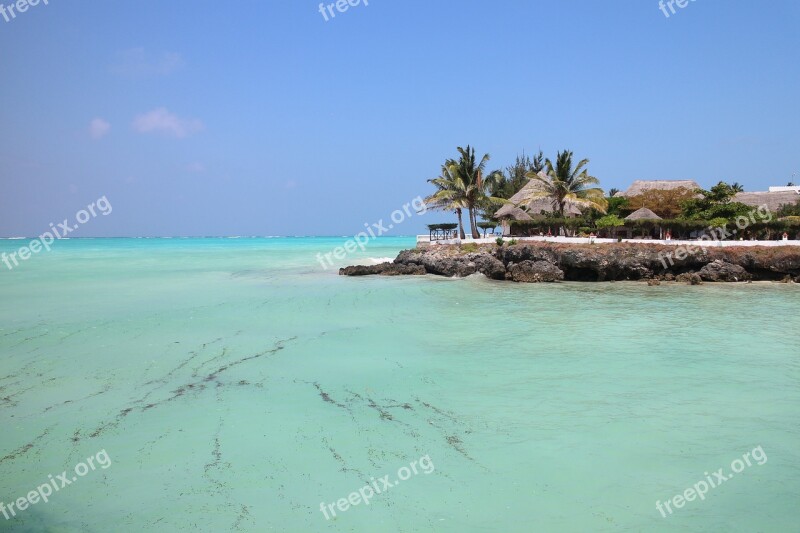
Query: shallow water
x,y
236,385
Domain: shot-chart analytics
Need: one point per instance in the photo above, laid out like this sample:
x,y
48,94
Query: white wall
x,y
424,239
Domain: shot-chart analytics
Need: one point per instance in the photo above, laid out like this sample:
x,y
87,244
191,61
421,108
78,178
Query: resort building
x,y
654,232
643,186
787,188
646,223
773,200
519,210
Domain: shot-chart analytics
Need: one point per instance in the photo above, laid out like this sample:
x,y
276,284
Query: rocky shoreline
x,y
552,262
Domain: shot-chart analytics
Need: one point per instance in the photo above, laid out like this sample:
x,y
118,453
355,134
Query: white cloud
x,y
99,128
162,121
135,63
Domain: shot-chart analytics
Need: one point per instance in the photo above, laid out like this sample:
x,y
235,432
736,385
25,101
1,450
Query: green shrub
x,y
610,221
499,241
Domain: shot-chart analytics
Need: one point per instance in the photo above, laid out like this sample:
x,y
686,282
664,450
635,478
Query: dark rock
x,y
535,272
489,266
788,262
384,269
459,267
518,254
721,271
691,278
439,261
592,263
609,262
446,262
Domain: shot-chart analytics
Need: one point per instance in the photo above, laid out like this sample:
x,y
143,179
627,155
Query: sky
x,y
262,118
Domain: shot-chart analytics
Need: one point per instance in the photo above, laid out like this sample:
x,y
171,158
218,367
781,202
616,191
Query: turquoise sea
x,y
235,385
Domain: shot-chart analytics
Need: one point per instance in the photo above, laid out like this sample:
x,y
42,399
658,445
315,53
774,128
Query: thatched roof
x,y
534,207
773,200
513,213
643,214
641,186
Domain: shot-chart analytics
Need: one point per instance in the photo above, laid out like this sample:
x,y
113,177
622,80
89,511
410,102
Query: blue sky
x,y
260,118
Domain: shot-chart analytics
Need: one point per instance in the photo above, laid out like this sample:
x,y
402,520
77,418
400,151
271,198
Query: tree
x,y
789,210
613,192
451,194
716,202
538,163
563,183
736,187
664,202
609,221
616,205
477,187
511,180
462,186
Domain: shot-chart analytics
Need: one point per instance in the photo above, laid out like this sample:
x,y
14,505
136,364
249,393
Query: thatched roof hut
x,y
534,207
509,212
642,186
643,214
772,200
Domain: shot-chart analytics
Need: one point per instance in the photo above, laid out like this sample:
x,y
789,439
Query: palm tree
x,y
538,162
451,194
736,187
476,187
612,193
562,184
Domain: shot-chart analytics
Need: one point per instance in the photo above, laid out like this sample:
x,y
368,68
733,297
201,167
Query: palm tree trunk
x,y
460,225
473,224
562,207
